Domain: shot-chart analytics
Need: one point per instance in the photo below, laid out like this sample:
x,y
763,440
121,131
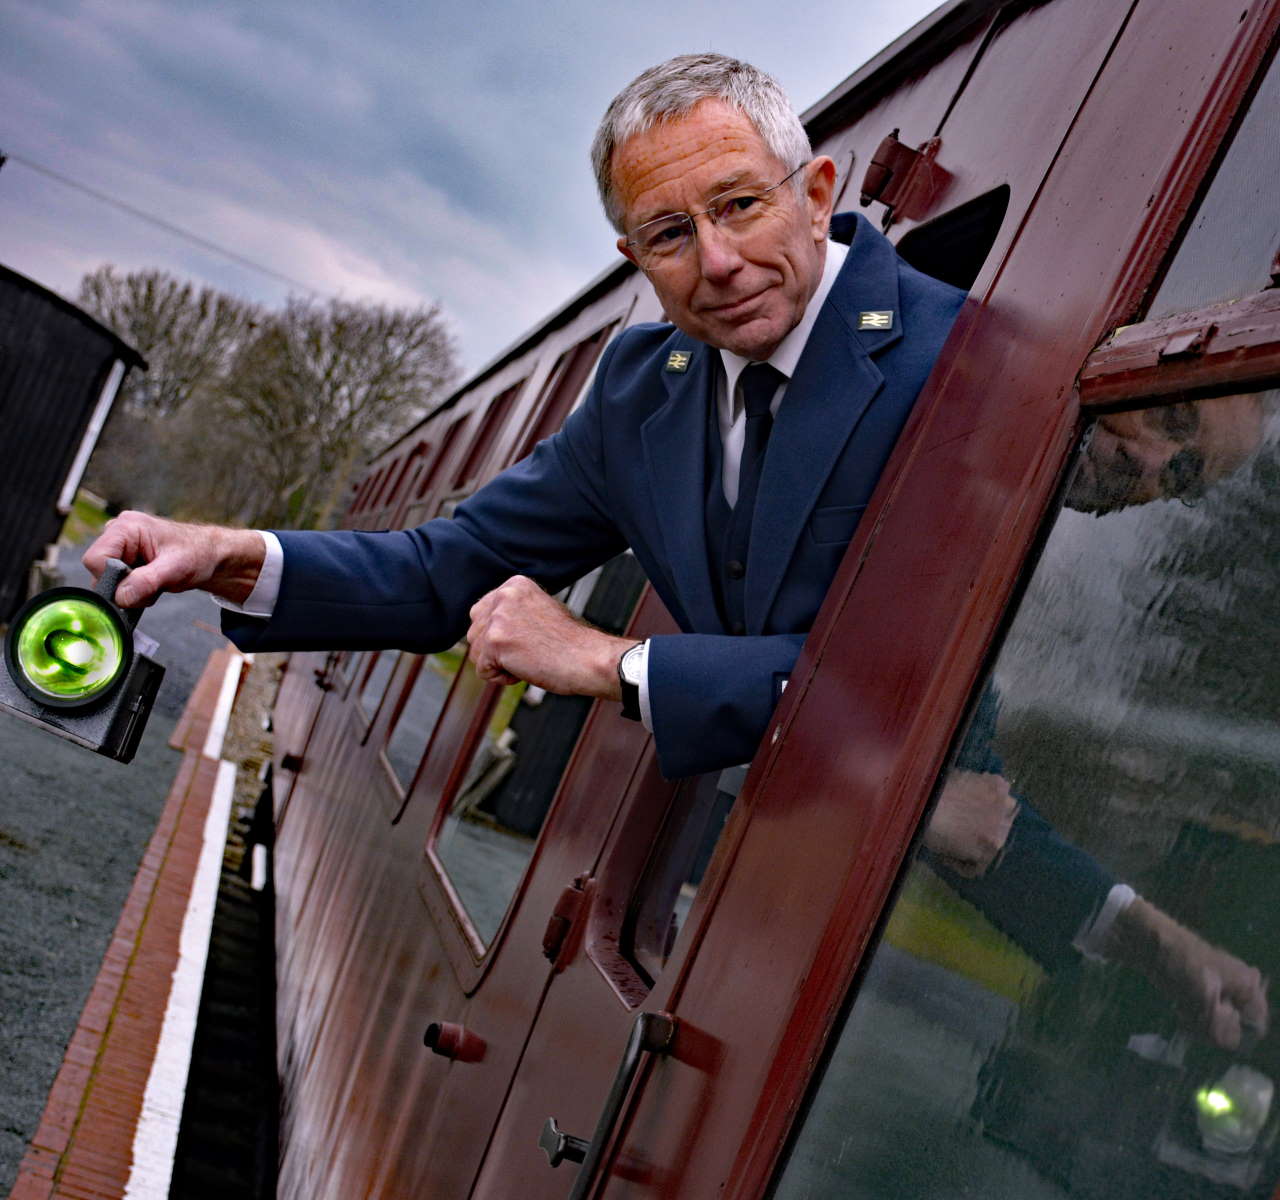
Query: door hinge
x,y
906,180
563,918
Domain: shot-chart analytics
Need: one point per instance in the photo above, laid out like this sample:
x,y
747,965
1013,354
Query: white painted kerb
x,y
156,1138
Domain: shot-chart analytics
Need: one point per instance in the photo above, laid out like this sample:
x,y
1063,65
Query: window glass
x,y
488,835
694,822
1069,998
421,711
1228,249
375,683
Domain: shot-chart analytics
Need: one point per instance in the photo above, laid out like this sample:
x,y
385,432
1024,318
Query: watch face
x,y
629,666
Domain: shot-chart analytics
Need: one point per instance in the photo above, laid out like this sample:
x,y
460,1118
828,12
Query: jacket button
x,y
738,629
735,569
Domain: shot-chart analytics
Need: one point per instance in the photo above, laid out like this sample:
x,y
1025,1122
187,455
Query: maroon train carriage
x,y
1070,564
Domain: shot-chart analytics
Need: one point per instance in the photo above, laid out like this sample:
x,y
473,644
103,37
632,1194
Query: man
x,y
1053,899
707,174
1165,452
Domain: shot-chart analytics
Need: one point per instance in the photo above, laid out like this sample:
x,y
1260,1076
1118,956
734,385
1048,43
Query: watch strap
x,y
630,690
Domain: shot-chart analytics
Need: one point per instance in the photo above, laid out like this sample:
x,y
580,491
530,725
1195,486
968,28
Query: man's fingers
x,y
112,543
1256,1011
129,537
140,587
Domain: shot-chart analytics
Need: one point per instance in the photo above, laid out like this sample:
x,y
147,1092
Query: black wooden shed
x,y
60,371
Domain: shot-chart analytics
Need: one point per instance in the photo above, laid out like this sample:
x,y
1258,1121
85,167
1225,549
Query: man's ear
x,y
820,191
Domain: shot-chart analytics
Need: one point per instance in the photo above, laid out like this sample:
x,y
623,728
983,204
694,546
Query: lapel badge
x,y
678,361
876,319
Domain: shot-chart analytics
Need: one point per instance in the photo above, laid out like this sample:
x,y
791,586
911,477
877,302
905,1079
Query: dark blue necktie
x,y
729,529
759,381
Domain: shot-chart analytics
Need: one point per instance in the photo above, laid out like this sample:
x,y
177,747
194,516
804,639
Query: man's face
x,y
1167,451
739,295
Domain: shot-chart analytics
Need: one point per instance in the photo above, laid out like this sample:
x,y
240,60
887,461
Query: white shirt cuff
x,y
261,602
646,713
1091,941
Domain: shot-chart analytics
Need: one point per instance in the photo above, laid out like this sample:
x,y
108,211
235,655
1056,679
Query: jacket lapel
x,y
675,442
834,382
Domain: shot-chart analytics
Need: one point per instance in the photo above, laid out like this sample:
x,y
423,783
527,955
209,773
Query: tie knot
x,y
759,381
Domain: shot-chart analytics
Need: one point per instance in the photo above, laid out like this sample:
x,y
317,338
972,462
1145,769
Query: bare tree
x,y
189,336
324,384
251,415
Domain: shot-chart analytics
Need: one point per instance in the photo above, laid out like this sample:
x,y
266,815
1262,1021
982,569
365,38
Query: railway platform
x,y
111,1124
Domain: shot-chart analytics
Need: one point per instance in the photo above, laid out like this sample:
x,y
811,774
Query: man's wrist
x,y
631,669
239,554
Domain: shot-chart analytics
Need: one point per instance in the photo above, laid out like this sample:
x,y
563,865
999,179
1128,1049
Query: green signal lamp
x,y
72,667
69,648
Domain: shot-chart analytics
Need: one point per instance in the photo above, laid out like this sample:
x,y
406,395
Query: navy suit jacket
x,y
627,469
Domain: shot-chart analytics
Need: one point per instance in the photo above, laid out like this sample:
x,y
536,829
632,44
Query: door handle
x,y
652,1033
559,1145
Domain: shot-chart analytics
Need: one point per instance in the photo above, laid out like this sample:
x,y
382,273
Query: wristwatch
x,y
629,680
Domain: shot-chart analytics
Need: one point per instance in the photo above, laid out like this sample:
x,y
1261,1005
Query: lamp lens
x,y
70,649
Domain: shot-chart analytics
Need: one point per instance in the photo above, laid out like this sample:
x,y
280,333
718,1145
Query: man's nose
x,y
718,256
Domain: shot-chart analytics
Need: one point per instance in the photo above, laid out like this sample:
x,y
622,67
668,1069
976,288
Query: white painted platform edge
x,y
222,709
156,1138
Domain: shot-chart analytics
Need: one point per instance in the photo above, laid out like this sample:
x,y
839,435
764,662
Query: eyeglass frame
x,y
709,212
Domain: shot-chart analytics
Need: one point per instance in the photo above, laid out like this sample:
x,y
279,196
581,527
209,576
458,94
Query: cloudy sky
x,y
400,152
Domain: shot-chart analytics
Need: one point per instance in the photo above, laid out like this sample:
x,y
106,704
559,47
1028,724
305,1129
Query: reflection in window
x,y
488,835
1069,998
376,681
421,711
1228,249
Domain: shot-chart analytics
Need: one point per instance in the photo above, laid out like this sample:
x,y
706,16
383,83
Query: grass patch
x,y
85,520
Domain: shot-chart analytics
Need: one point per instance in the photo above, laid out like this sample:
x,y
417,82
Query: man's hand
x,y
971,824
1219,995
177,558
519,632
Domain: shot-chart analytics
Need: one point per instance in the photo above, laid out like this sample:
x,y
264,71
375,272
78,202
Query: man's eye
x,y
736,207
665,238
1183,475
1176,421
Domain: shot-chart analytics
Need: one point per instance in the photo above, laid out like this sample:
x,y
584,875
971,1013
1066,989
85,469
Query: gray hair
x,y
672,88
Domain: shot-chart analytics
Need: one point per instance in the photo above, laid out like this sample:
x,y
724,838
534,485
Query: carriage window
x,y
376,681
1069,997
488,835
953,246
671,878
421,711
1228,250
563,386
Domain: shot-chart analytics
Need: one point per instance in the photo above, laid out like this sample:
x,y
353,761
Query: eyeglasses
x,y
738,213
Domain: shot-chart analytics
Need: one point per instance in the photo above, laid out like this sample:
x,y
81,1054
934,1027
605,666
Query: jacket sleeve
x,y
413,589
1042,891
711,696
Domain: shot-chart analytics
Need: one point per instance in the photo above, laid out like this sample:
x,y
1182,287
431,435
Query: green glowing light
x,y
70,649
1214,1102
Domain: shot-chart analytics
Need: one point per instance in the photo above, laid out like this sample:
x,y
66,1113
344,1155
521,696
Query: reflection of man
x,y
1169,451
1050,897
783,341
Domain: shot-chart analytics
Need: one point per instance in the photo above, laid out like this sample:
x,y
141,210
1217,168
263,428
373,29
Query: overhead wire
x,y
160,222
